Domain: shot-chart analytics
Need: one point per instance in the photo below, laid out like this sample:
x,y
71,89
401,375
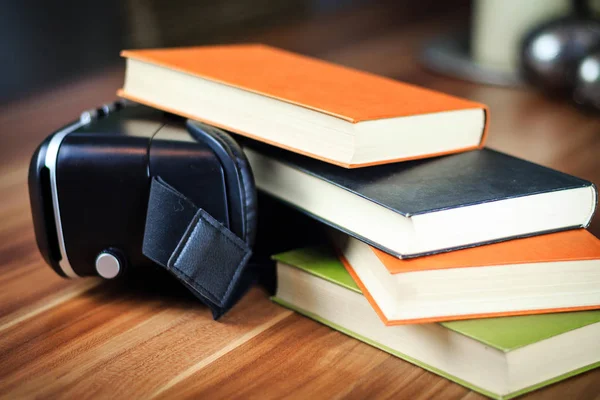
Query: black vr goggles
x,y
132,187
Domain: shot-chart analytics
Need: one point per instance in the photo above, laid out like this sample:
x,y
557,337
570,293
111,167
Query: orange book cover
x,y
572,245
305,81
335,90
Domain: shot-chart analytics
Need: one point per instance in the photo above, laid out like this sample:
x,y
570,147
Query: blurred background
x,y
62,57
45,43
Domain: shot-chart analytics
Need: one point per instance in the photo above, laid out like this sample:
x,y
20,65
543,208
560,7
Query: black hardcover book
x,y
428,206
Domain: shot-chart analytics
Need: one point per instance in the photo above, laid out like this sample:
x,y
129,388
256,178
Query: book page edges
x,y
122,93
446,318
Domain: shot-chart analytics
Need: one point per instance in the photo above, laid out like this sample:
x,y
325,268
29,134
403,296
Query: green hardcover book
x,y
498,357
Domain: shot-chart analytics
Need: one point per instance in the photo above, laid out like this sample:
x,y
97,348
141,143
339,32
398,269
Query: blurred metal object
x,y
587,81
450,55
550,54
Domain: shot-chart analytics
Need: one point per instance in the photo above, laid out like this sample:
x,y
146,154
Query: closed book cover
x,y
551,273
525,352
424,207
566,246
341,115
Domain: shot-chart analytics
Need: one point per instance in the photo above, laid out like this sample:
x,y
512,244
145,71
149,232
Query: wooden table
x,y
74,338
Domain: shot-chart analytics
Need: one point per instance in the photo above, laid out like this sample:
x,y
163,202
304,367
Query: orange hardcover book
x,y
542,274
326,111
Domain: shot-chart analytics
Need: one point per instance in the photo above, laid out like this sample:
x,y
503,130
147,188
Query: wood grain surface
x,y
93,339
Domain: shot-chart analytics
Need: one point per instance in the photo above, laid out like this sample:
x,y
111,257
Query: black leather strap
x,y
200,251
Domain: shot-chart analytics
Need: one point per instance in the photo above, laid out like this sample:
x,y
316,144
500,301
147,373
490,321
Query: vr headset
x,y
129,187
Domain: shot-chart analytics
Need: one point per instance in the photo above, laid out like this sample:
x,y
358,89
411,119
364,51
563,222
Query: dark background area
x,y
45,43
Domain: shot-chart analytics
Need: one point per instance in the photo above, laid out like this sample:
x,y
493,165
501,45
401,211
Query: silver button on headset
x,y
108,265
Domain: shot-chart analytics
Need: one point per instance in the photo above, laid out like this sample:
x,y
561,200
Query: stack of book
x,y
468,262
